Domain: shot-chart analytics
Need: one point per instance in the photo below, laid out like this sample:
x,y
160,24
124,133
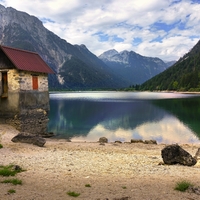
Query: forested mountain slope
x,y
184,75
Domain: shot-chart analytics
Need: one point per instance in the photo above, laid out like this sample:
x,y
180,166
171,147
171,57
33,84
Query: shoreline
x,y
113,170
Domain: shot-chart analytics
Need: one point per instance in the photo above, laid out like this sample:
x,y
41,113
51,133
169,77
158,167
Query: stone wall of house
x,y
24,108
25,79
13,80
33,112
43,82
22,80
32,121
31,115
10,105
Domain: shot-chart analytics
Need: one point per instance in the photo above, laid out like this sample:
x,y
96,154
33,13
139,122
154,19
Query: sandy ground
x,y
114,171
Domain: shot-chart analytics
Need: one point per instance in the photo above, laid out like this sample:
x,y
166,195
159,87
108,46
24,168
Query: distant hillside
x,y
184,75
133,67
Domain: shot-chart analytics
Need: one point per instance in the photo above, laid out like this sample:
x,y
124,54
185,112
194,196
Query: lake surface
x,y
87,116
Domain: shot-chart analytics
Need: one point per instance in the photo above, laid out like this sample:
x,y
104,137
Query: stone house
x,y
24,95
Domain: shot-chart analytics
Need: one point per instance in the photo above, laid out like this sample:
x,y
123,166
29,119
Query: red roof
x,y
26,60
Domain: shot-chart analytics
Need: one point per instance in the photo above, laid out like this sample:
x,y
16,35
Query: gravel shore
x,y
114,171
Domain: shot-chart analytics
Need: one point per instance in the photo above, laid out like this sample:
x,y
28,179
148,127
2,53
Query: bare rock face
x,y
29,138
174,154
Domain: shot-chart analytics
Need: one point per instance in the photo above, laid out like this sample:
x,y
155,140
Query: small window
x,y
35,82
4,85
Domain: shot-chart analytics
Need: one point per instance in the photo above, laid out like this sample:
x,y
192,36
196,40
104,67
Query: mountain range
x,y
76,68
133,67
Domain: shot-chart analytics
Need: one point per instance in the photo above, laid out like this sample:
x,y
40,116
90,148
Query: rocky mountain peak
x,y
108,54
12,16
132,66
124,52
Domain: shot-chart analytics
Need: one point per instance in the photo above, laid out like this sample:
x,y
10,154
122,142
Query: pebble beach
x,y
97,172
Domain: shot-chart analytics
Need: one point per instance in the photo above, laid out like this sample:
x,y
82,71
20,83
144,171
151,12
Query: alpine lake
x,y
121,116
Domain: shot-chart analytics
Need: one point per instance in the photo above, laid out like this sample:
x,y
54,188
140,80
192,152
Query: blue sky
x,y
158,28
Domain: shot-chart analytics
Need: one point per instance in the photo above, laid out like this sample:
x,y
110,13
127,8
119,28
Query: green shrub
x,y
11,191
124,187
182,186
87,185
13,181
7,172
73,194
1,146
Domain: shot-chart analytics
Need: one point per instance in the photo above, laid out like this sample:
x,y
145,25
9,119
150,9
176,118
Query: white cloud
x,y
167,131
80,22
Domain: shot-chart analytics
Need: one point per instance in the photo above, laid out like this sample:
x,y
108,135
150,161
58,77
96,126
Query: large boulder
x,y
29,138
174,154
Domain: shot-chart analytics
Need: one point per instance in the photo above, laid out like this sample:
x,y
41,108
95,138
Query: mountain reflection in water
x,y
87,116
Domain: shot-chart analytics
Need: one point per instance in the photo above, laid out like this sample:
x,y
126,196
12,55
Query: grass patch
x,y
182,186
73,194
7,172
10,170
11,191
87,185
124,187
13,181
1,146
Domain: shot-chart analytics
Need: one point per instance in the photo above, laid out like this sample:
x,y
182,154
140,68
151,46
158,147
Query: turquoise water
x,y
87,116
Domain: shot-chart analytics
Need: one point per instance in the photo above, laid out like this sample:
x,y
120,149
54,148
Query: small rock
x,y
118,142
161,163
153,157
122,198
103,140
17,168
136,141
150,142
